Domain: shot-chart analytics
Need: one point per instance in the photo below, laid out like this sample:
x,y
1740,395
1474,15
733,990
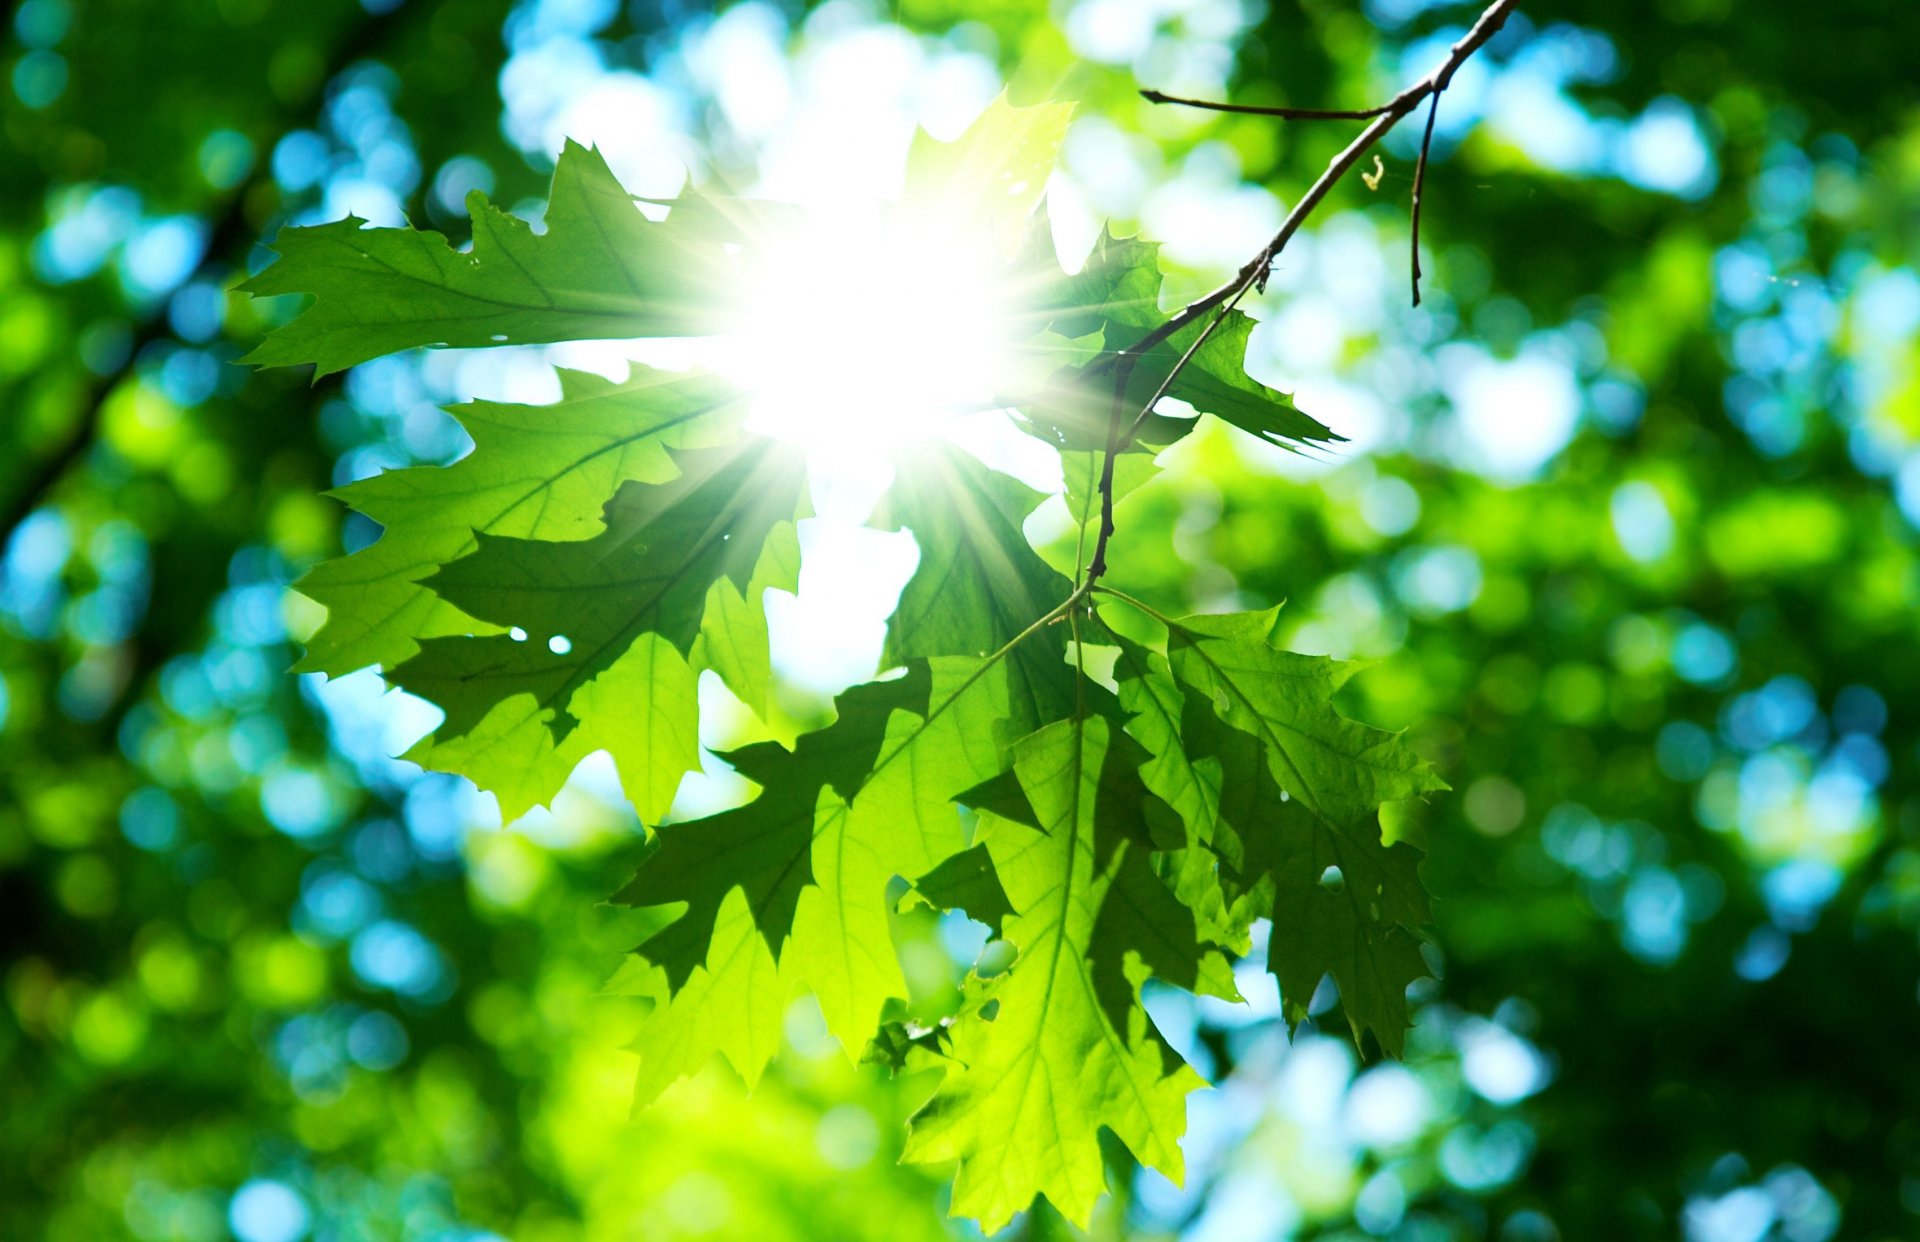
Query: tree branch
x,y
1284,113
1419,184
1254,273
1219,317
1098,565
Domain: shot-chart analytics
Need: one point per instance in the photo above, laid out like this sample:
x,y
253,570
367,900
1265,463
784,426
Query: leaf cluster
x,y
559,591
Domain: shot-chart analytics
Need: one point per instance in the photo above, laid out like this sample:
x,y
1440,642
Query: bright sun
x,y
862,335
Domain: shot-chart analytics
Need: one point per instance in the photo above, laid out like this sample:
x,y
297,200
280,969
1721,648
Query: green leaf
x,y
902,822
601,270
992,177
853,805
1358,927
1335,766
535,472
733,638
1192,787
1307,785
1117,293
1073,408
905,1046
763,848
1082,473
1215,381
730,219
1069,1048
1154,701
902,1048
1118,284
514,704
643,710
732,1003
561,590
576,607
967,882
979,582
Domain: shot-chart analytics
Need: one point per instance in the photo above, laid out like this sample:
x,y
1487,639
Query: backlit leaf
x,y
1069,1049
600,270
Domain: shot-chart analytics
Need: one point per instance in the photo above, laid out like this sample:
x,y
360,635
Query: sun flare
x,y
864,335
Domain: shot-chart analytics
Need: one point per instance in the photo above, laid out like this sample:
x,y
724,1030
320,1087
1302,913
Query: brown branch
x,y
1254,273
1419,183
1284,113
1146,411
1098,565
1406,101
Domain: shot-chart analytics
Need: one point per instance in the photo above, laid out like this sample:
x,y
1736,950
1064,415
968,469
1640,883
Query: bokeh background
x,y
1627,524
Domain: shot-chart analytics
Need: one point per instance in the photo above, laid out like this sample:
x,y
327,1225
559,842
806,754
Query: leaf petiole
x,y
1138,605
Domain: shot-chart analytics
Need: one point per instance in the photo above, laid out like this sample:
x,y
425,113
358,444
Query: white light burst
x,y
860,336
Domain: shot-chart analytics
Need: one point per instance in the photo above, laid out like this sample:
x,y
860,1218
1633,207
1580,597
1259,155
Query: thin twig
x,y
1488,25
1061,609
1138,605
1419,183
1098,565
1253,274
1146,411
1284,113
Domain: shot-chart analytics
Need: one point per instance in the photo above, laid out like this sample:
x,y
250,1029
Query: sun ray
x,y
860,333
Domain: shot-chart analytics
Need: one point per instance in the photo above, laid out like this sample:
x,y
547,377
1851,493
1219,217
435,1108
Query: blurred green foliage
x,y
1627,528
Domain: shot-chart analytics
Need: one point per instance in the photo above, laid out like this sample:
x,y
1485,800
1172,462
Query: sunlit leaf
x,y
1116,812
1069,1049
535,472
979,583
1303,786
600,270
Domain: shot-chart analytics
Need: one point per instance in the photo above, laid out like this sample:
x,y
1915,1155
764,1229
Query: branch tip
x,y
1255,273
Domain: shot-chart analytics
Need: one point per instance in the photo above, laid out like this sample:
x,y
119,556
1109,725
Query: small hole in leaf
x,y
1332,880
559,644
498,338
517,634
990,1010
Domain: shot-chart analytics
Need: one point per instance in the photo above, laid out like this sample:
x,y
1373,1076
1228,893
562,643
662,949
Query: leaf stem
x,y
1052,615
1138,605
